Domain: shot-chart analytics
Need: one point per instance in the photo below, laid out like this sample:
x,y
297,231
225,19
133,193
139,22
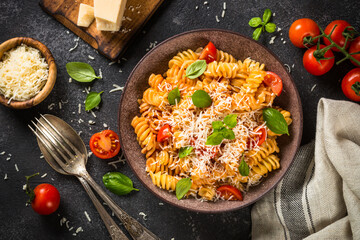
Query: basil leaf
x,y
255,22
257,33
182,187
243,168
81,72
196,69
275,121
228,133
267,15
270,27
174,96
118,183
201,99
184,151
217,125
92,100
230,120
215,138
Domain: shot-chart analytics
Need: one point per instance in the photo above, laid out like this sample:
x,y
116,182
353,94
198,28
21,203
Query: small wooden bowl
x,y
45,91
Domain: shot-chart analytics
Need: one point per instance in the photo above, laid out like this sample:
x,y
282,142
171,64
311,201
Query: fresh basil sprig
x,y
92,100
263,25
182,187
201,99
275,121
222,130
243,167
196,69
184,151
118,183
81,72
174,96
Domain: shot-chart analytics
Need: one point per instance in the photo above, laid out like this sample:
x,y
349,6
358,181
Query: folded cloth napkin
x,y
319,197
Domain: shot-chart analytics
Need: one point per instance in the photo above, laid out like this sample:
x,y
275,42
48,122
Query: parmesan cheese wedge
x,y
86,15
109,14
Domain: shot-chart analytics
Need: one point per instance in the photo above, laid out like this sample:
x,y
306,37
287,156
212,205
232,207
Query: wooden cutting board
x,y
112,45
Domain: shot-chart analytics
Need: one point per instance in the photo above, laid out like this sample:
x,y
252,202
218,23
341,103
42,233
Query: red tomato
x,y
274,81
47,199
209,53
301,28
315,68
336,36
257,138
355,47
164,133
230,193
105,144
350,85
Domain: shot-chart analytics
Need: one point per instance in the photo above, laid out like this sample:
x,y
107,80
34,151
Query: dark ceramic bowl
x,y
156,61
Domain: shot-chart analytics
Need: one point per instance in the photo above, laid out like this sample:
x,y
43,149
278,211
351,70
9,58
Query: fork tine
x,y
71,155
75,149
48,147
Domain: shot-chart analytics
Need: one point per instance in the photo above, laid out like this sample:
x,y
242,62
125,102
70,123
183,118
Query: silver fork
x,y
64,149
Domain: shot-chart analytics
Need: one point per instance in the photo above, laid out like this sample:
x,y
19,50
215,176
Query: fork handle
x,y
114,230
136,230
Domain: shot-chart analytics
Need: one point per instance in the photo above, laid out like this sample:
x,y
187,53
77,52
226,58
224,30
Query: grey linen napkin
x,y
319,197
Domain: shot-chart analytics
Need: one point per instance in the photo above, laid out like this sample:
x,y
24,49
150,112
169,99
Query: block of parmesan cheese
x,y
86,15
109,14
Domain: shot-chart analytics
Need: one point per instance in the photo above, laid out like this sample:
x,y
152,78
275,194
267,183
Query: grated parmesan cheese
x,y
87,216
16,167
23,73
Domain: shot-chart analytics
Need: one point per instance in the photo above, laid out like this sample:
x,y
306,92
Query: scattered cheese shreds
x,y
217,18
16,167
87,216
313,87
2,153
91,57
117,88
73,48
272,40
44,175
143,215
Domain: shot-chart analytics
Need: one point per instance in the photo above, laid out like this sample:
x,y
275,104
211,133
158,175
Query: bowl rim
x,y
50,82
298,140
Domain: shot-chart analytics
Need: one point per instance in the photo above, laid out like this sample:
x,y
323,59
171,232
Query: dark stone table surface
x,y
25,18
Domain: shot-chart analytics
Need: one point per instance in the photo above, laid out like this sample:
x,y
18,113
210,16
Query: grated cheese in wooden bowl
x,y
23,73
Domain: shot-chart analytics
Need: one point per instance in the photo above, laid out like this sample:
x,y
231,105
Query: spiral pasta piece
x,y
221,69
145,137
207,193
179,59
222,56
164,181
267,165
268,147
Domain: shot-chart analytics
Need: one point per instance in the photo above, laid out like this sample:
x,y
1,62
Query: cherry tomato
x,y
105,144
301,28
257,138
350,85
209,53
355,47
315,68
274,81
336,36
230,193
164,133
47,199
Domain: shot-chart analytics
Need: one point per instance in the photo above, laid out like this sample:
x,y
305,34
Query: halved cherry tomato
x,y
105,144
209,53
336,35
47,199
230,193
355,47
257,138
164,133
274,81
301,28
313,66
350,85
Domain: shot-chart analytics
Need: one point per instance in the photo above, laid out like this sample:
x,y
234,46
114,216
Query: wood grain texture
x,y
110,44
14,42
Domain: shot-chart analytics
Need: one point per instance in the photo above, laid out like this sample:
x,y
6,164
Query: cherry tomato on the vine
x,y
355,47
313,66
47,199
336,35
209,53
164,133
229,192
105,144
350,85
274,81
301,28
